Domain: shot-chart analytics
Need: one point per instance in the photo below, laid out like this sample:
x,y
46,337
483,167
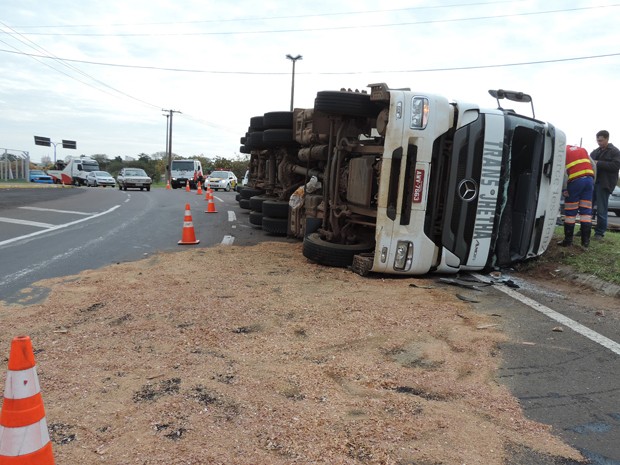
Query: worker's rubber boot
x,y
569,231
586,229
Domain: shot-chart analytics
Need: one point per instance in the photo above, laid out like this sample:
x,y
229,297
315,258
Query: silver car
x,y
614,201
100,178
133,178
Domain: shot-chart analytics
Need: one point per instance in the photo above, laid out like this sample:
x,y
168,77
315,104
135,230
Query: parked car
x,y
614,201
40,176
225,180
133,178
99,178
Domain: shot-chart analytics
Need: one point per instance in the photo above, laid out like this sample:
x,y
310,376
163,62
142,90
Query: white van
x,y
186,170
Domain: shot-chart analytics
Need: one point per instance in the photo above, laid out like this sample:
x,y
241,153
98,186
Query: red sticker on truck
x,y
418,185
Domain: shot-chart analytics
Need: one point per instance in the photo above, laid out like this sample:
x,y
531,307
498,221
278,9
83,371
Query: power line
x,y
255,73
269,18
317,29
29,43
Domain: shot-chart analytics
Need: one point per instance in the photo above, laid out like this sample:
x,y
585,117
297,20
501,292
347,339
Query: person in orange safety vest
x,y
578,192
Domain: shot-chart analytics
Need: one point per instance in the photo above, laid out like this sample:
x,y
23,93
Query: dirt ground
x,y
195,357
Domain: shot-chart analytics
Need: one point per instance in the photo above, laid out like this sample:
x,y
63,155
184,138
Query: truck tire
x,y
256,218
255,140
278,137
248,192
245,204
329,254
278,120
275,226
256,202
256,123
345,103
275,208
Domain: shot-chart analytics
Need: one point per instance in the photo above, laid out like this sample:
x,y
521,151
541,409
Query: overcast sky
x,y
100,73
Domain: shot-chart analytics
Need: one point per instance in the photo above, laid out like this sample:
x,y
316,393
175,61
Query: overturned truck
x,y
402,182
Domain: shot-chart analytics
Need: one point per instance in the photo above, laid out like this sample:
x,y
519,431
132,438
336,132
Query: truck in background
x,y
73,172
184,171
404,182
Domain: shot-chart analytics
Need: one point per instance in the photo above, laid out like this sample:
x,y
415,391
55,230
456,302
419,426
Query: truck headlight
x,y
404,255
419,112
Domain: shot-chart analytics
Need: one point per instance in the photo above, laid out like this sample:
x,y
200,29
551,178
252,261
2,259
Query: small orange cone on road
x,y
168,185
189,236
24,437
209,194
187,189
211,205
199,190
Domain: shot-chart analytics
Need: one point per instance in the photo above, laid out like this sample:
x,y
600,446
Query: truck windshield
x,y
183,165
86,166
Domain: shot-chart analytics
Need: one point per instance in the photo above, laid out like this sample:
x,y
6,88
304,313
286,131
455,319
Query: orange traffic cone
x,y
199,190
187,189
189,236
168,185
24,437
209,194
211,205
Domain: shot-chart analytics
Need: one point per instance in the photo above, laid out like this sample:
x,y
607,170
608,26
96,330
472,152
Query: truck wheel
x,y
257,123
148,188
124,188
330,254
345,103
275,226
278,120
248,192
278,137
256,202
255,140
256,218
275,208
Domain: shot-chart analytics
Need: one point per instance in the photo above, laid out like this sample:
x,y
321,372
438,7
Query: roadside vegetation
x,y
601,259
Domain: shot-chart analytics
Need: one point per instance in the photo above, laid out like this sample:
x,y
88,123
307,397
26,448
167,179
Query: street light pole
x,y
47,142
293,59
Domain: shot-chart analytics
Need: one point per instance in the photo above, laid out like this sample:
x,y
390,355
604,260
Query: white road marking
x,y
56,211
572,324
231,216
56,227
36,224
228,240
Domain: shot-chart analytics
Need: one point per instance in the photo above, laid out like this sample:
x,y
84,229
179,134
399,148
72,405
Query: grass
x,y
601,259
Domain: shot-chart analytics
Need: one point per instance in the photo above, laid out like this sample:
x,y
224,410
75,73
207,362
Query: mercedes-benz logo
x,y
468,190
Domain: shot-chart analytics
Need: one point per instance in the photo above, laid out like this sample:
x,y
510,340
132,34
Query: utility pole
x,y
293,59
169,140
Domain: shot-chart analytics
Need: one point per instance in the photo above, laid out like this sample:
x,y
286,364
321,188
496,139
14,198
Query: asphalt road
x,y
561,377
46,233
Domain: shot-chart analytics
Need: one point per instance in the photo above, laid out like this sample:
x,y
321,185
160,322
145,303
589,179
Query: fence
x,y
14,165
